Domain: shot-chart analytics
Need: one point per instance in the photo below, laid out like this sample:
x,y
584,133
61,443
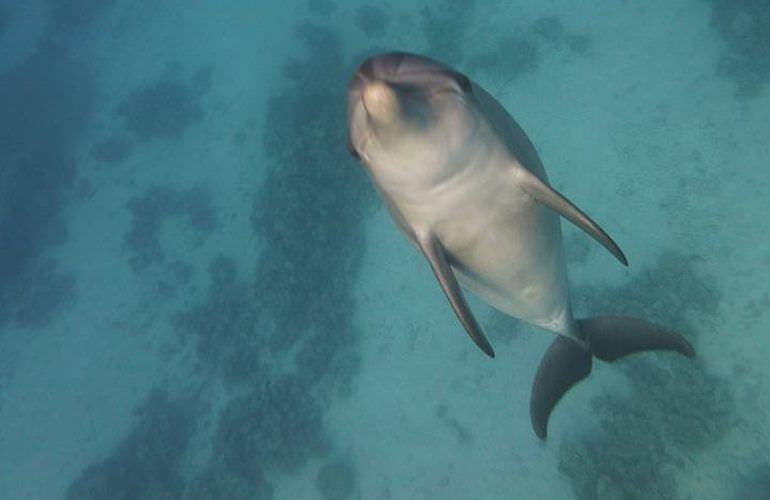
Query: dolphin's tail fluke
x,y
608,338
564,364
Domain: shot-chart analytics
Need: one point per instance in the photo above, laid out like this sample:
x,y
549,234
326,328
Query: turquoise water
x,y
202,297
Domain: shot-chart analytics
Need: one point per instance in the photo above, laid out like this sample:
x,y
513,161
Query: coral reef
x,y
277,426
150,210
372,20
145,465
173,277
336,480
579,44
76,14
322,7
6,14
219,482
41,293
512,57
113,149
462,432
46,101
549,28
165,108
445,24
744,27
225,325
309,210
754,483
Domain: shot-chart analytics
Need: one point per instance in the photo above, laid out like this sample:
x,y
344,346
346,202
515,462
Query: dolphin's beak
x,y
381,102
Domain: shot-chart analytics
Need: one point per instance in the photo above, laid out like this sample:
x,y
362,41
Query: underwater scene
x,y
255,251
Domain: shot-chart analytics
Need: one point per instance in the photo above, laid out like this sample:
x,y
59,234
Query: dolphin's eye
x,y
463,82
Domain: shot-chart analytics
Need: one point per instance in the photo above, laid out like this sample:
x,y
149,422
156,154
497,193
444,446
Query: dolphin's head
x,y
403,105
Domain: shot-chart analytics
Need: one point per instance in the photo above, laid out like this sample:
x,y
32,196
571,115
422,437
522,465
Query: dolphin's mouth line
x,y
363,103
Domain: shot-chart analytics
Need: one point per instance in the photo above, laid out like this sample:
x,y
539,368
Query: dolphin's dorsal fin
x,y
434,251
554,200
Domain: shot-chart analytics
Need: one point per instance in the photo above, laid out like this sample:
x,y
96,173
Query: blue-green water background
x,y
202,298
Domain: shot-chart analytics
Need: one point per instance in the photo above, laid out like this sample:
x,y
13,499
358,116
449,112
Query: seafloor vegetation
x,y
753,483
744,26
163,109
159,205
40,126
146,463
522,52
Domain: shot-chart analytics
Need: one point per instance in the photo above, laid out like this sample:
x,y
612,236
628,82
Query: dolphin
x,y
466,186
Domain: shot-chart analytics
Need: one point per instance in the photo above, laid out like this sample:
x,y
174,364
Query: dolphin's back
x,y
510,133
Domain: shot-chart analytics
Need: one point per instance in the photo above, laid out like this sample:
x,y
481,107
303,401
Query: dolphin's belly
x,y
507,248
503,245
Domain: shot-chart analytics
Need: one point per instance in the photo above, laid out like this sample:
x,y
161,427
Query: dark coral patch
x,y
744,27
113,149
146,464
336,480
445,24
165,108
46,101
224,324
275,426
372,20
150,210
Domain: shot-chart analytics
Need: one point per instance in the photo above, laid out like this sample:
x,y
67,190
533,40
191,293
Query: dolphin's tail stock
x,y
608,338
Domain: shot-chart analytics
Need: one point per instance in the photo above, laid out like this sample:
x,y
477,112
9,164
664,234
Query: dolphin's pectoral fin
x,y
564,364
433,250
608,338
554,200
612,337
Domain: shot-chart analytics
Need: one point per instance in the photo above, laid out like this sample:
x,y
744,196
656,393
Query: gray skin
x,y
465,185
